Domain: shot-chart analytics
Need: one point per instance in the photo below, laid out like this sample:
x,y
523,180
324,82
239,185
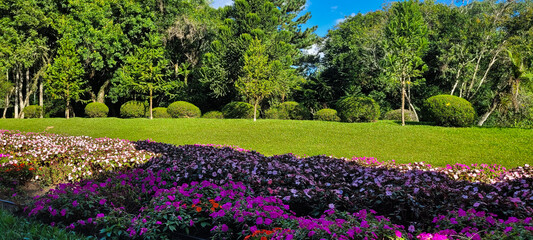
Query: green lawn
x,y
385,140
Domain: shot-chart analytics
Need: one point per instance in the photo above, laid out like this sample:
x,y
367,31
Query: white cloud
x,y
340,20
221,3
314,50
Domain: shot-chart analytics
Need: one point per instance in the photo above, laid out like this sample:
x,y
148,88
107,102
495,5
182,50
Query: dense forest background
x,y
64,54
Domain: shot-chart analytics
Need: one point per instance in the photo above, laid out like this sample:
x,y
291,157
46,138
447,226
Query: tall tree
x,y
258,81
64,76
406,42
143,71
275,23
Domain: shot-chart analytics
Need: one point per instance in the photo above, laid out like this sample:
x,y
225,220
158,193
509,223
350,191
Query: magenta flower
x,y
63,212
100,215
75,203
102,201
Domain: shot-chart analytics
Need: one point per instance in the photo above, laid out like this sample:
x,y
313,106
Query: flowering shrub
x,y
308,185
58,158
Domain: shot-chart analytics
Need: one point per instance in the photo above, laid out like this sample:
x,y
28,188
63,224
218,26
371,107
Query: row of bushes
x,y
445,110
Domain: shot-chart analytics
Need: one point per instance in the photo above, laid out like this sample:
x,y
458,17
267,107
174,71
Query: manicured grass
x,y
385,140
12,227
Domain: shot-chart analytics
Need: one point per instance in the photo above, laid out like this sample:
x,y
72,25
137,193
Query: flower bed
x,y
230,193
59,158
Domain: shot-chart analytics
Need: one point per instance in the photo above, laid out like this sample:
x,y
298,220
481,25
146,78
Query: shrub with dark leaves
x,y
308,185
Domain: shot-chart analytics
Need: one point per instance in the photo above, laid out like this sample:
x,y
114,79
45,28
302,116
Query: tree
x,y
257,82
274,22
143,71
405,44
63,78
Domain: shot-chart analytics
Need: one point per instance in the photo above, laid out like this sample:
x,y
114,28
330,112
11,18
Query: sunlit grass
x,y
385,140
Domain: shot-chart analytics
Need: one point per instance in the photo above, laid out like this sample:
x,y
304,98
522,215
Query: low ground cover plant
x,y
52,158
223,192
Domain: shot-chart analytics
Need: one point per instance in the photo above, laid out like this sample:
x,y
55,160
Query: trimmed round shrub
x,y
396,115
239,110
33,111
288,110
133,109
358,109
448,111
160,112
182,109
213,114
327,114
96,110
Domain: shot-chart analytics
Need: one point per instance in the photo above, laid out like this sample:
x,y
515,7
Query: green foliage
x,y
327,114
358,109
161,112
288,110
133,109
33,111
396,115
13,227
64,77
405,44
448,110
96,110
182,109
213,115
258,82
238,110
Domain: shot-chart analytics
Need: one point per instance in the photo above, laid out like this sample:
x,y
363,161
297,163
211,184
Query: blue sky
x,y
327,13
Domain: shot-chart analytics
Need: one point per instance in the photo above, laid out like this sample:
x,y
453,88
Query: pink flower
x,y
102,201
398,234
100,215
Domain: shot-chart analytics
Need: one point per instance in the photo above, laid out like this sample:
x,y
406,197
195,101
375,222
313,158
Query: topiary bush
x,y
239,110
96,110
182,109
396,115
448,110
133,109
327,114
214,115
33,111
358,109
288,110
160,112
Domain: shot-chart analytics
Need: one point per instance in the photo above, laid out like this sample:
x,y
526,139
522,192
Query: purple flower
x,y
259,221
100,215
411,228
158,223
398,234
191,223
75,203
63,212
102,201
364,224
143,230
224,228
507,229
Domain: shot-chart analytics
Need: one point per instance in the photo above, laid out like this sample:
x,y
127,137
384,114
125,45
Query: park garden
x,y
176,120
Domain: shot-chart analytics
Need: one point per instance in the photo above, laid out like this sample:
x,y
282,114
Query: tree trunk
x,y
255,111
8,96
488,113
151,116
403,102
16,110
67,110
101,93
41,100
